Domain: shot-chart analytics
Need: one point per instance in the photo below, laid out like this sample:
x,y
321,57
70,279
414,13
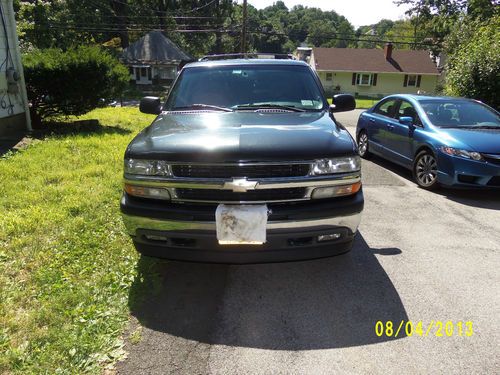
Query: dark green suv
x,y
244,163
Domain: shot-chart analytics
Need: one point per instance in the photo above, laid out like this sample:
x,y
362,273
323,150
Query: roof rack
x,y
248,55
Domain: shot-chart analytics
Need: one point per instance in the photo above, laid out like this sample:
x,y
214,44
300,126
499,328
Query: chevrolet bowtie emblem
x,y
240,185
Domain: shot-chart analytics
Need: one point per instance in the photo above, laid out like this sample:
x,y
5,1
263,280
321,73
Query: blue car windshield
x,y
240,87
460,113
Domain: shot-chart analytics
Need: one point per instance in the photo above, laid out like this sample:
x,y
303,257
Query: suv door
x,y
380,123
400,143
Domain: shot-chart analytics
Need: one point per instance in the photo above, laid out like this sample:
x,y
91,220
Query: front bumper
x,y
292,230
459,172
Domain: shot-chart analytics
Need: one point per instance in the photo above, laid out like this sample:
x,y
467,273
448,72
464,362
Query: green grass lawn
x,y
66,264
365,103
362,103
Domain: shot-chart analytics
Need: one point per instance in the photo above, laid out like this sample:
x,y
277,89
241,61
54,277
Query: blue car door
x,y
380,122
400,142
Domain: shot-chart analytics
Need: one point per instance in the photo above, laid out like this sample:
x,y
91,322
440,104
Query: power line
x,y
166,11
226,30
90,29
133,26
155,15
335,37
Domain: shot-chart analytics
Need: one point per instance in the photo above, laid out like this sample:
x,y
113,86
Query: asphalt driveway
x,y
419,256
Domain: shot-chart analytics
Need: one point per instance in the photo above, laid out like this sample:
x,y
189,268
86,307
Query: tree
x,y
473,69
436,18
71,82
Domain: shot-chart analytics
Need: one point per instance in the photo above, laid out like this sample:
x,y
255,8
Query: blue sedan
x,y
443,140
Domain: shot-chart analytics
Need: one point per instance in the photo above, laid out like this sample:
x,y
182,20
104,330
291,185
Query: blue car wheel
x,y
363,145
425,170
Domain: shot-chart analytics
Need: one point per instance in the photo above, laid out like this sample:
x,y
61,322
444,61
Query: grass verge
x,y
362,103
365,103
66,264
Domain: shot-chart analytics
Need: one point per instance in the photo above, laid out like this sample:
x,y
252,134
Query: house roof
x,y
373,61
154,47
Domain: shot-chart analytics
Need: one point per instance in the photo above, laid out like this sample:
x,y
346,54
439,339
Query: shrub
x,y
474,65
72,82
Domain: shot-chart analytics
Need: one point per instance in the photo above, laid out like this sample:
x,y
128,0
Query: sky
x,y
358,12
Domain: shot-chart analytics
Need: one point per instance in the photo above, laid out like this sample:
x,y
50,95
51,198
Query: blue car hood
x,y
480,140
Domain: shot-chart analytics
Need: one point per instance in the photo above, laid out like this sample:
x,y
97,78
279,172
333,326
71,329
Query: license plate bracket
x,y
241,224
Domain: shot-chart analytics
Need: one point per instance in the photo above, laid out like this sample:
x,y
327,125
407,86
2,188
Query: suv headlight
x,y
462,153
337,165
147,167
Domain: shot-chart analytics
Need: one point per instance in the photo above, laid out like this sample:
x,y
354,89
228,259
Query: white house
x,y
374,72
154,59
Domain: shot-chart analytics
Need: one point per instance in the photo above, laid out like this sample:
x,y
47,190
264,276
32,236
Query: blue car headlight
x,y
462,153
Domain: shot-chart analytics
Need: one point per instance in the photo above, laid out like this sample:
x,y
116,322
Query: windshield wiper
x,y
269,105
202,106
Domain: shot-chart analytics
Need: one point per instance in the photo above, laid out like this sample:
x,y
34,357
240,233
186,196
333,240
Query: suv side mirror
x,y
342,103
151,105
406,120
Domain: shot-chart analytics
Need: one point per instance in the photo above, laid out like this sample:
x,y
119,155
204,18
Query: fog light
x,y
147,192
335,191
153,237
329,237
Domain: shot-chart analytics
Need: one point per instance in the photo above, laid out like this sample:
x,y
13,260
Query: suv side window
x,y
387,108
407,109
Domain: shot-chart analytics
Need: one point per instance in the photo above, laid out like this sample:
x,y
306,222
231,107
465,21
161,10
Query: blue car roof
x,y
428,97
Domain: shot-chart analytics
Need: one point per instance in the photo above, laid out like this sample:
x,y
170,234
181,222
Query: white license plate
x,y
241,224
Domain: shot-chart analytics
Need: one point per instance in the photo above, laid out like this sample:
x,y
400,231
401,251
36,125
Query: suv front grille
x,y
249,170
261,195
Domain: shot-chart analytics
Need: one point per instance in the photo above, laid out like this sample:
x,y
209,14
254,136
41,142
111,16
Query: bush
x,y
71,82
473,69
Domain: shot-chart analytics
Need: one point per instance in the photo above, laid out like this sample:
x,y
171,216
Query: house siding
x,y
387,83
13,106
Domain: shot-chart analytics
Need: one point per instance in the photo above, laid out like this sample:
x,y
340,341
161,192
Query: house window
x,y
412,80
168,72
364,79
329,77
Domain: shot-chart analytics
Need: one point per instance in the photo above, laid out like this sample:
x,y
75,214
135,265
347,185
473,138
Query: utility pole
x,y
244,28
415,29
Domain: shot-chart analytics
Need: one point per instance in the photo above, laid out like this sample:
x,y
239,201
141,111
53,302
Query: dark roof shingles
x,y
373,60
154,46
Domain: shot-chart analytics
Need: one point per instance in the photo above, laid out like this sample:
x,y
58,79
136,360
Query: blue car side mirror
x,y
406,120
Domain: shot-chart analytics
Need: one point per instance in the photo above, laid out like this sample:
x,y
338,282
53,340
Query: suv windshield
x,y
460,113
244,87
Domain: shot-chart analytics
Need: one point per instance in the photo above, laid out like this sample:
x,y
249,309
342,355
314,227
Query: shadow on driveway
x,y
480,198
326,303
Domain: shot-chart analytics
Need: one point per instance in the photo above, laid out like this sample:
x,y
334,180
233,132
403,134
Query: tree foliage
x,y
436,18
199,27
71,82
473,69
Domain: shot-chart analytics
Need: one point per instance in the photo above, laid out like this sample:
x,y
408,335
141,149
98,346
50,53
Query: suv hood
x,y
241,136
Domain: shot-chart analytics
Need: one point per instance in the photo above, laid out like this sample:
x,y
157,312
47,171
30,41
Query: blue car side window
x,y
387,108
406,109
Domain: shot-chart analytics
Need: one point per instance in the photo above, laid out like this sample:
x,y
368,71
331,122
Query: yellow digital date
x,y
436,328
